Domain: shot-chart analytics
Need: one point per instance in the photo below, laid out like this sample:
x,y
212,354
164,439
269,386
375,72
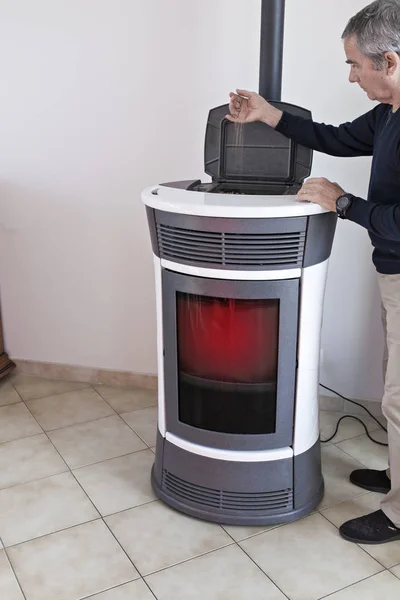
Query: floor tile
x,y
366,452
30,388
383,586
136,590
9,588
331,403
69,408
144,422
93,442
28,459
225,574
127,399
337,466
299,557
40,507
374,407
357,507
17,422
8,395
348,428
119,483
156,537
71,564
239,533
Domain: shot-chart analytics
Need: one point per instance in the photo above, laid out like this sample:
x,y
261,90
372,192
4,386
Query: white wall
x,y
103,97
100,98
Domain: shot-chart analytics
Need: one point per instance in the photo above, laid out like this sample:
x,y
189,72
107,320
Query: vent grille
x,y
280,250
218,499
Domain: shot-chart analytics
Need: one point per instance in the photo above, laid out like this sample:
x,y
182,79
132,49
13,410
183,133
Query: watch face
x,y
343,202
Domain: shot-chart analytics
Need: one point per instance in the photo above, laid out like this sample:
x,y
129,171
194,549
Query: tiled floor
x,y
78,518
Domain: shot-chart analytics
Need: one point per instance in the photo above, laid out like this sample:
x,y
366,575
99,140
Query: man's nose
x,y
353,77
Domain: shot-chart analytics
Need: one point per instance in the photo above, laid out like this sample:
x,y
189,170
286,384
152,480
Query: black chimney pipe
x,y
271,48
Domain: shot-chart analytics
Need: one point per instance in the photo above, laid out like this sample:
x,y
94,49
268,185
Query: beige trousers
x,y
390,293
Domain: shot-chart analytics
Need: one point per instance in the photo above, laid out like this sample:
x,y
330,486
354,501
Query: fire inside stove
x,y
227,363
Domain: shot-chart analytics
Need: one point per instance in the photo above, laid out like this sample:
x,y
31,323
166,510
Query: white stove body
x,y
235,483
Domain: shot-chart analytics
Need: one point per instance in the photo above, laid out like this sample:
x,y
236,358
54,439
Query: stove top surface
x,y
176,198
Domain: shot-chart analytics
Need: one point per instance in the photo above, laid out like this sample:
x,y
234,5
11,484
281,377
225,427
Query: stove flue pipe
x,y
271,48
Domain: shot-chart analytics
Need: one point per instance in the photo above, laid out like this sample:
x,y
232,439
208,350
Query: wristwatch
x,y
343,204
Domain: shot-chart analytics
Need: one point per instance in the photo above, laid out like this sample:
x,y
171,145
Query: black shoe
x,y
375,528
373,481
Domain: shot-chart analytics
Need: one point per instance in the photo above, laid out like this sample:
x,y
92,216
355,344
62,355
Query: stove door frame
x,y
288,293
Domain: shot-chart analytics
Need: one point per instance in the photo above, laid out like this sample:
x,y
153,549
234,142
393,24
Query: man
x,y
372,47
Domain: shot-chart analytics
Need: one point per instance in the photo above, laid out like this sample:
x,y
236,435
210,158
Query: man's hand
x,y
247,107
321,191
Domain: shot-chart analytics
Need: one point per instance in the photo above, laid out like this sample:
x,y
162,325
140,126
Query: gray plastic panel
x,y
319,240
287,291
308,481
230,492
231,244
151,219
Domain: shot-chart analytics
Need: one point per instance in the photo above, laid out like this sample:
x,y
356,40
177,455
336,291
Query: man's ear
x,y
392,62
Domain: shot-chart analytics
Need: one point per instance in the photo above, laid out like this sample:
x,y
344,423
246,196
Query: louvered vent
x,y
215,249
220,500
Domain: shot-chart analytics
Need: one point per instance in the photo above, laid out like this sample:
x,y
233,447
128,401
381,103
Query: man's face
x,y
377,84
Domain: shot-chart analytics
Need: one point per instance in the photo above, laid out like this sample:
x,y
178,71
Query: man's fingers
x,y
245,93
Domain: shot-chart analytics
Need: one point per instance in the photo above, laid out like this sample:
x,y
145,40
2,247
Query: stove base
x,y
237,493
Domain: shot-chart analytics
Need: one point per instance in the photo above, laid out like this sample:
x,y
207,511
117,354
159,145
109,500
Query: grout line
x,y
10,487
97,462
330,506
394,574
122,548
82,423
262,570
116,587
119,512
136,433
15,574
25,437
41,537
104,400
84,387
352,457
348,587
358,545
44,535
182,562
149,588
125,412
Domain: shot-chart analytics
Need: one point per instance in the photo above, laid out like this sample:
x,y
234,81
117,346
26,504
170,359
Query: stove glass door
x,y
227,363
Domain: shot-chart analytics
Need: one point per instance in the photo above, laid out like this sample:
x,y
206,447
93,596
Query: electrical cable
x,y
353,417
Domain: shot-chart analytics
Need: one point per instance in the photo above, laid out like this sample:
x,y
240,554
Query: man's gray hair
x,y
377,30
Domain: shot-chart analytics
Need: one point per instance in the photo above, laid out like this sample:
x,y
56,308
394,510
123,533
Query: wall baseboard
x,y
86,374
335,404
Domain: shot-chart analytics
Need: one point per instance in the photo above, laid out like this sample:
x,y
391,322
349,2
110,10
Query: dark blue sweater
x,y
377,134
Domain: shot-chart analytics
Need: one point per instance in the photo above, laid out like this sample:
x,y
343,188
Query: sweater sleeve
x,y
349,139
382,220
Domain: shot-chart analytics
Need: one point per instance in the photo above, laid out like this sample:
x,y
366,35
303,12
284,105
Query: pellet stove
x,y
240,269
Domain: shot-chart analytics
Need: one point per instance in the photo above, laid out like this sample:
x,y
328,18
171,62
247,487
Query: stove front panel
x,y
230,351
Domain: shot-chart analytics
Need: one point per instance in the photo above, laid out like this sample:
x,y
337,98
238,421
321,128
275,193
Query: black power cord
x,y
353,417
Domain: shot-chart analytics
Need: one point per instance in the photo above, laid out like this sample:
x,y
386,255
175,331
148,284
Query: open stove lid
x,y
254,152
